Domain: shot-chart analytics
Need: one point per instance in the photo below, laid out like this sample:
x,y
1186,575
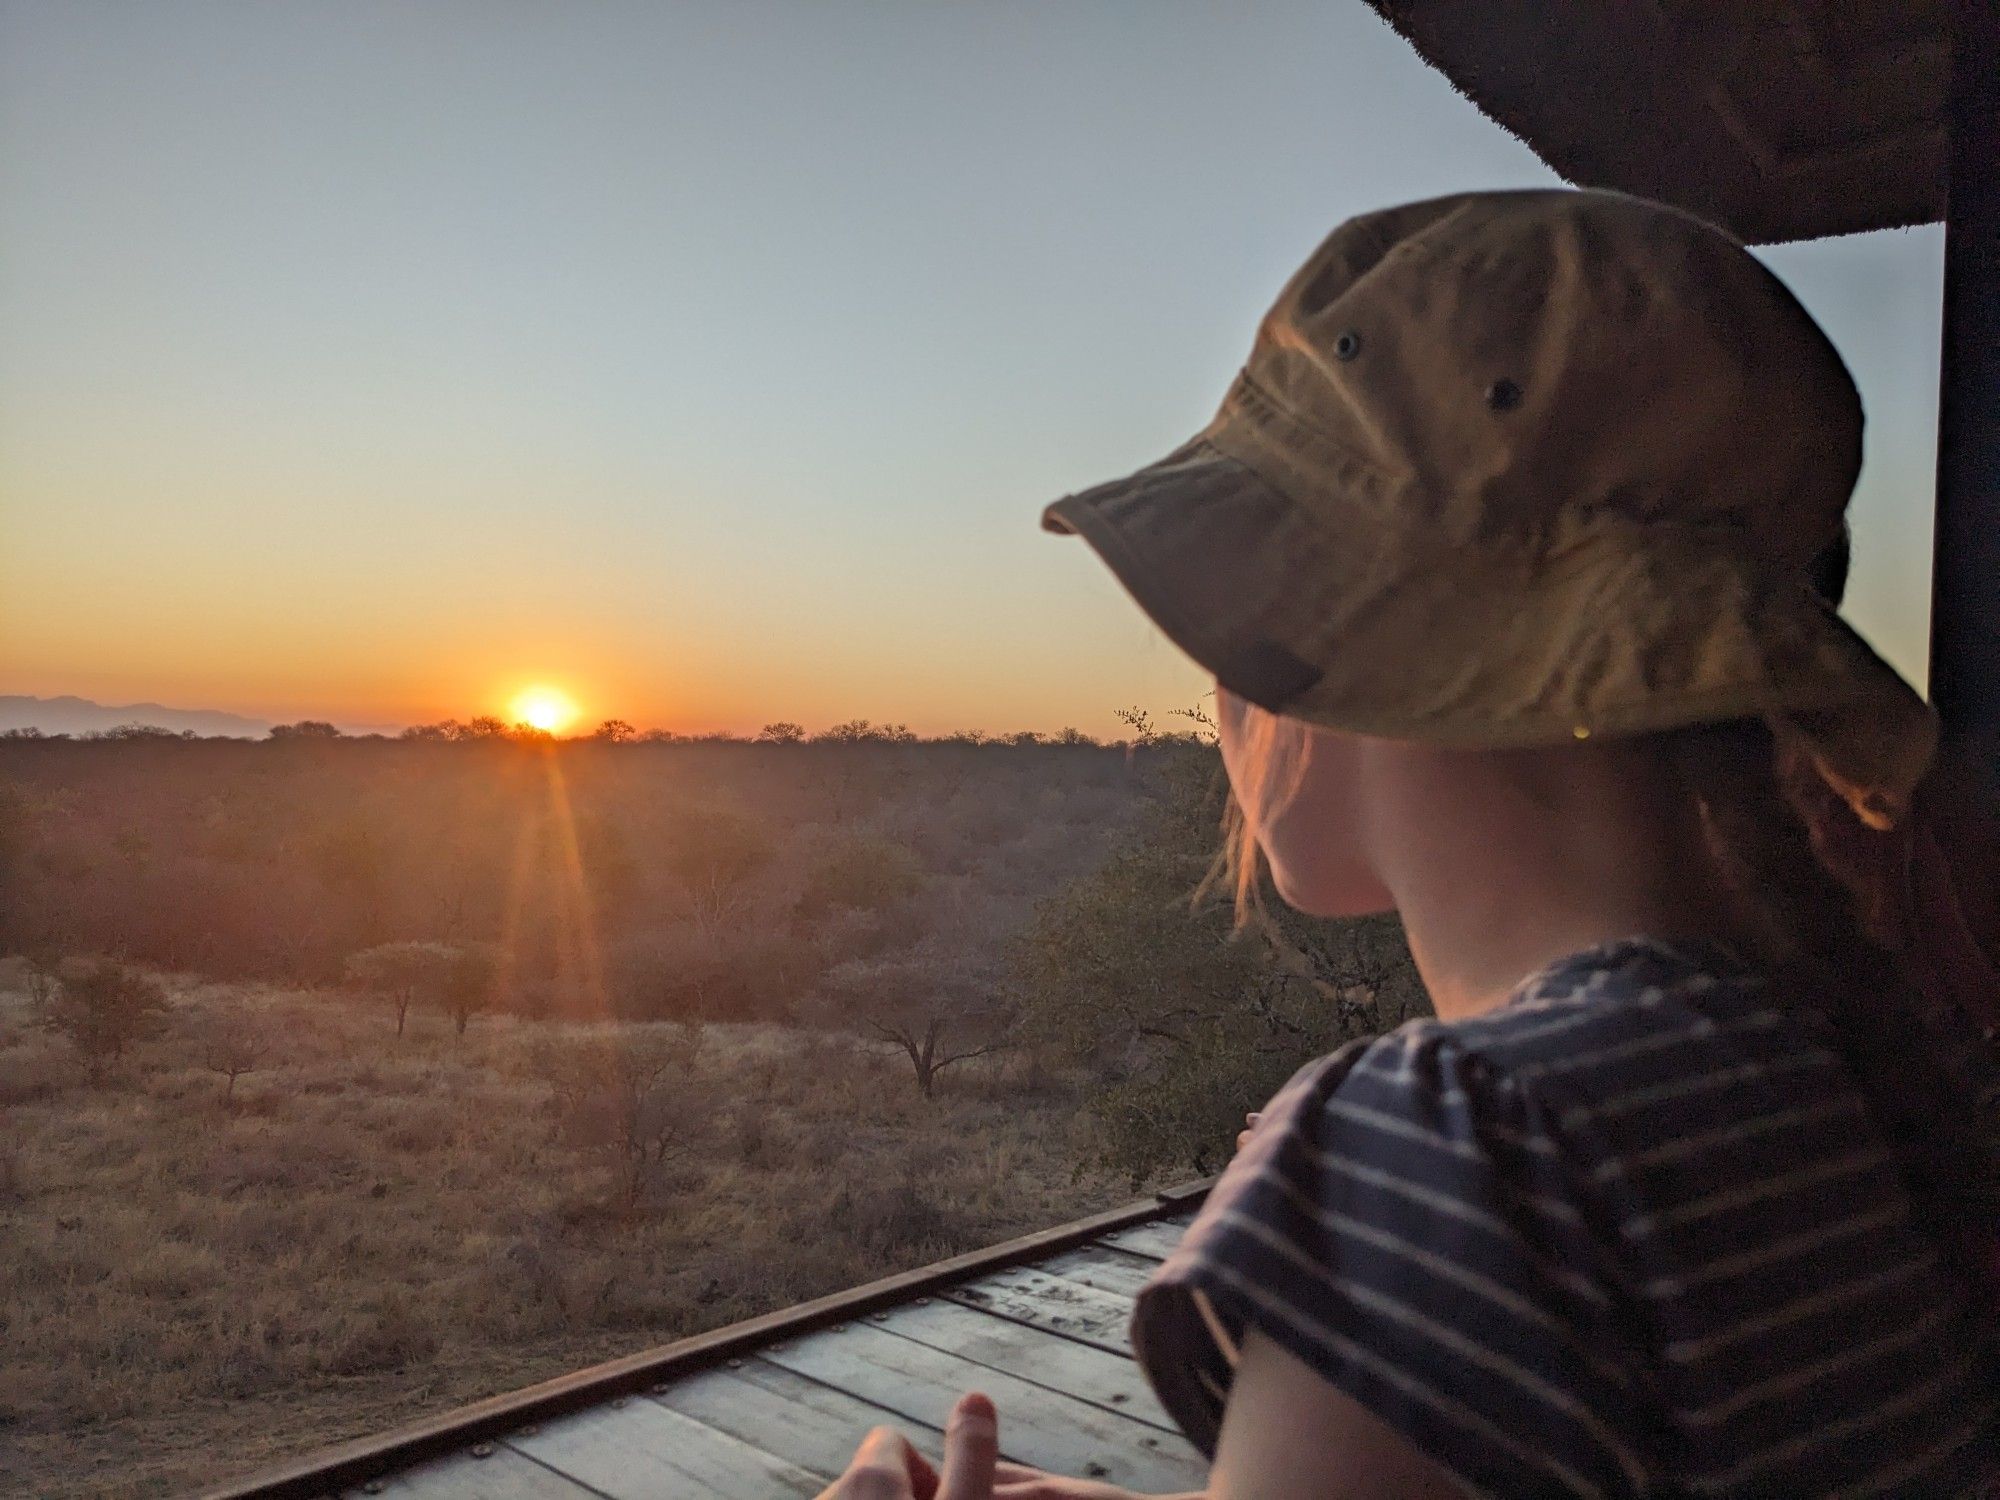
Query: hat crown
x,y
1516,365
1510,468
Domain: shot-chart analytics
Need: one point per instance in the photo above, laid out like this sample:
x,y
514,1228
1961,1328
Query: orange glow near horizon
x,y
543,708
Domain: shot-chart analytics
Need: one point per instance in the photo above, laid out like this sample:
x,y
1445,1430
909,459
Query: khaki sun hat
x,y
1514,468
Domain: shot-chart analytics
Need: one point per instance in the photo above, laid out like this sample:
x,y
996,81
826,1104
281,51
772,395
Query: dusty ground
x,y
373,1229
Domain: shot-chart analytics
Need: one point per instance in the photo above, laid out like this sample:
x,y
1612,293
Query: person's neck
x,y
1513,880
1470,972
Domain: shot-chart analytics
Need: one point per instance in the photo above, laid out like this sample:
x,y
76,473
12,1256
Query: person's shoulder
x,y
1629,1009
1610,1032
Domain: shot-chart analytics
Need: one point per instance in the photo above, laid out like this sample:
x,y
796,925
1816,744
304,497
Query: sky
x,y
708,362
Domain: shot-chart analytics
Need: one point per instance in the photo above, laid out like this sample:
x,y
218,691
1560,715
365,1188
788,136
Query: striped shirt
x,y
1632,1233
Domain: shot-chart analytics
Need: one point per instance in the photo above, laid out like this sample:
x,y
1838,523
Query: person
x,y
1514,552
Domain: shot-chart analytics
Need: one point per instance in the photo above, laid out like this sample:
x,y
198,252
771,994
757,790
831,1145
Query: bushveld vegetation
x,y
363,1077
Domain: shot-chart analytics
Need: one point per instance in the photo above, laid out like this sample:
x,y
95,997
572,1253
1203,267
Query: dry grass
x,y
372,1230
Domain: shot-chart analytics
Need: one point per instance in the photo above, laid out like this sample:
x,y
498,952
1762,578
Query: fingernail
x,y
974,1414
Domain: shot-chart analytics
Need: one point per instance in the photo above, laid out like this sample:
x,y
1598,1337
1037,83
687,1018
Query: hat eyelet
x,y
1347,345
1503,395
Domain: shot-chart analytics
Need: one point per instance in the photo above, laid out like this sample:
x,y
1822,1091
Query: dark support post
x,y
1965,588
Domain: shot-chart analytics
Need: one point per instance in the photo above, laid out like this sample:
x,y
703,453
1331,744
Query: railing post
x,y
1965,585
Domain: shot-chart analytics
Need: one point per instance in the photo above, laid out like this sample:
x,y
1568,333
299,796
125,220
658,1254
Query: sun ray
x,y
581,921
526,840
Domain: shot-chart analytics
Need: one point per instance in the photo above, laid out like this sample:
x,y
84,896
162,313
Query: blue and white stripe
x,y
1632,1234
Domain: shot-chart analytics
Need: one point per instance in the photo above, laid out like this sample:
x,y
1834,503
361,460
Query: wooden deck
x,y
774,1407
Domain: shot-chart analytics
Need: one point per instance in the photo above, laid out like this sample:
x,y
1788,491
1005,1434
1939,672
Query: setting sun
x,y
543,708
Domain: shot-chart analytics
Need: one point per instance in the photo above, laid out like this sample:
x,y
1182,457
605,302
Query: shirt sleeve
x,y
1403,1222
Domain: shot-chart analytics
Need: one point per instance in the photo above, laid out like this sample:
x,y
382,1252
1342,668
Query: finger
x,y
883,1444
1242,1139
880,1470
1008,1472
923,1478
1252,1119
971,1450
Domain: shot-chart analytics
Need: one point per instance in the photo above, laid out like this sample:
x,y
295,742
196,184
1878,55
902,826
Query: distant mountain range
x,y
82,716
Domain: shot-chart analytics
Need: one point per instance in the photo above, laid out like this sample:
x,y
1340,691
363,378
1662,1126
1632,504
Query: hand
x,y
1251,1122
886,1467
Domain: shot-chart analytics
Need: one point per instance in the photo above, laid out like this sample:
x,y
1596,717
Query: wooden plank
x,y
1155,1240
799,1420
319,1473
1038,1426
638,1450
502,1474
1082,1370
1117,1271
1030,1295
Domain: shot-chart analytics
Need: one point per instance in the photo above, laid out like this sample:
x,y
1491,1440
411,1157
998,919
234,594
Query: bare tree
x,y
465,982
636,1103
400,973
457,978
43,970
232,1046
931,1000
715,854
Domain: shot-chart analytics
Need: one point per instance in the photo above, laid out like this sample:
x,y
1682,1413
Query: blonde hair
x,y
1271,765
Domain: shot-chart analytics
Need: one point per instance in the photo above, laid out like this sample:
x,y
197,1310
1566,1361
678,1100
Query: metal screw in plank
x,y
482,1450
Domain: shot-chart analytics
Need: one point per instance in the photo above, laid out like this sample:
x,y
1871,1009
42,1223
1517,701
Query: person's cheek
x,y
1317,862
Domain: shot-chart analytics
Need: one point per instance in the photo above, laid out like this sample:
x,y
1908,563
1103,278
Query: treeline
x,y
491,729
709,879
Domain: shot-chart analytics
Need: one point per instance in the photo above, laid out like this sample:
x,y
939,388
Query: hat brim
x,y
1356,619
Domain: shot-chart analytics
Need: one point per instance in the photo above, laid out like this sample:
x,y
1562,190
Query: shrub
x,y
1189,1022
689,972
102,1007
634,1101
892,1220
862,873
